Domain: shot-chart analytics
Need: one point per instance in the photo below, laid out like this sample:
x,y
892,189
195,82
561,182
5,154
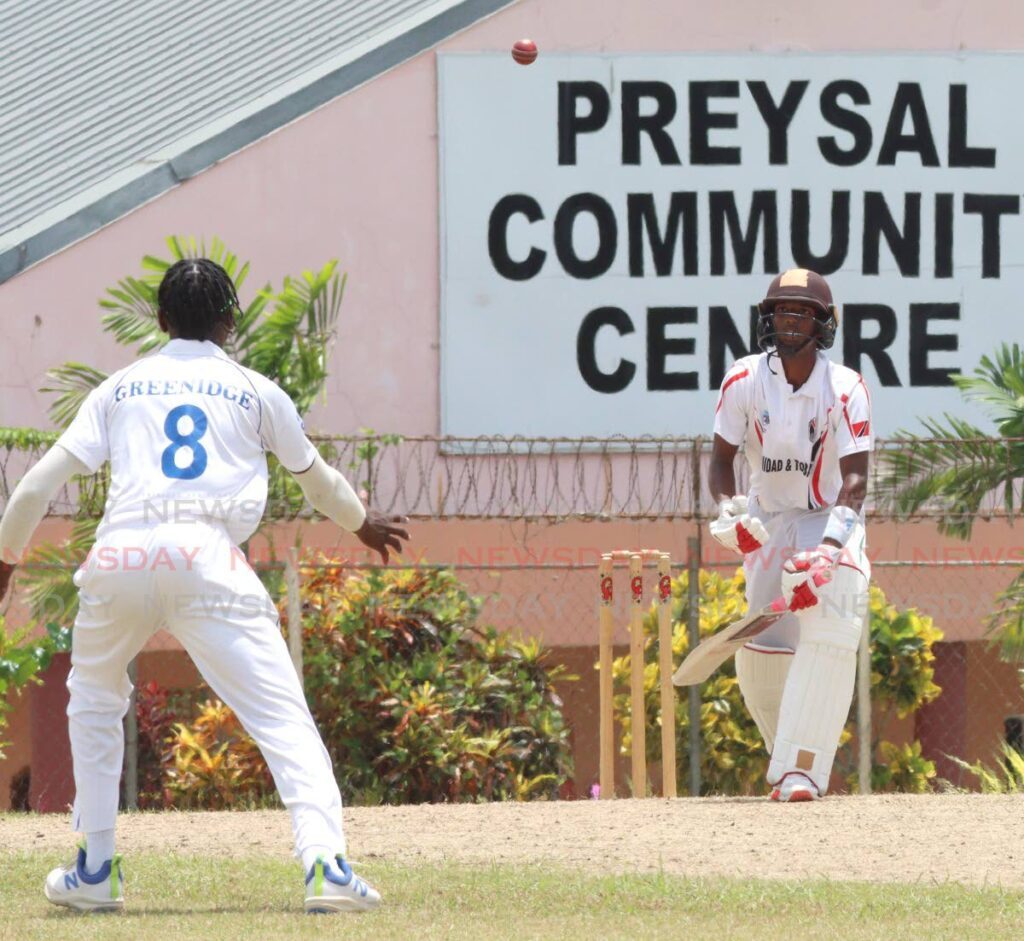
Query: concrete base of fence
x,y
52,786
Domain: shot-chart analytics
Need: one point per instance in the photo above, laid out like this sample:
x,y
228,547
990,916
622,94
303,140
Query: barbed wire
x,y
645,478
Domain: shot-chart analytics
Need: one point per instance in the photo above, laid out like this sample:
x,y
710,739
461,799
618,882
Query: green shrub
x,y
194,754
902,661
413,700
1006,777
733,758
902,680
22,658
903,768
212,764
416,702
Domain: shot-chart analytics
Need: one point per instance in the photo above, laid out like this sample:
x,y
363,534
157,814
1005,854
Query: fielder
x,y
186,431
805,426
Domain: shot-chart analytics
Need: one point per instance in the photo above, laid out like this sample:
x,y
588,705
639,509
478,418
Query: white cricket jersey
x,y
186,431
793,440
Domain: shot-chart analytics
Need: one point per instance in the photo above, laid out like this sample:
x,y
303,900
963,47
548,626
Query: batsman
x,y
804,423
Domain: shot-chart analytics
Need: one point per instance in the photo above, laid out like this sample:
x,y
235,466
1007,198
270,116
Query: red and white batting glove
x,y
736,529
804,575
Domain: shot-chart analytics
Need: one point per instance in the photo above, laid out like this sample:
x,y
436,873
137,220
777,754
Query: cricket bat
x,y
713,651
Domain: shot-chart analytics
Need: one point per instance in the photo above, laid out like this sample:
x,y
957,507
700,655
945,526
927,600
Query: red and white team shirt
x,y
793,440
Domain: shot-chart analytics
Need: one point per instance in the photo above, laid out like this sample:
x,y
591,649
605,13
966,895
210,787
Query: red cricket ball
x,y
524,51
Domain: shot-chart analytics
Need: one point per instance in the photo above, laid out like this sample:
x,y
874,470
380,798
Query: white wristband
x,y
841,521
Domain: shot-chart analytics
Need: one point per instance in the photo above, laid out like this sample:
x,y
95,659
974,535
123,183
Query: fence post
x,y
864,707
131,744
291,583
693,633
693,621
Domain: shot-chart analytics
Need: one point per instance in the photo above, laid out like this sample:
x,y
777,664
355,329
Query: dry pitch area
x,y
971,839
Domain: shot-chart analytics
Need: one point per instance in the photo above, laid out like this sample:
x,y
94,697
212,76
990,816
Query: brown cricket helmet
x,y
804,287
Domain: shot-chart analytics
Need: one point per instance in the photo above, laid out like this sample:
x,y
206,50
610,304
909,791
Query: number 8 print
x,y
179,441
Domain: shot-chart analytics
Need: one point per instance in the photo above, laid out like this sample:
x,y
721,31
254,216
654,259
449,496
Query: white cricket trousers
x,y
194,582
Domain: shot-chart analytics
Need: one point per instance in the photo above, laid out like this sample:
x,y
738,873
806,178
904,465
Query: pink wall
x,y
501,561
357,180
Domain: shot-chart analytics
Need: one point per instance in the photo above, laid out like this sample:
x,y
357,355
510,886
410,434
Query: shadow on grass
x,y
140,911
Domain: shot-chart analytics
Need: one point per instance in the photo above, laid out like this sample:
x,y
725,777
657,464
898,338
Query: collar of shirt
x,y
193,348
810,387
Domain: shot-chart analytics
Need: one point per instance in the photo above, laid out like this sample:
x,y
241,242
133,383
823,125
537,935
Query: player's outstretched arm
x,y
28,505
329,493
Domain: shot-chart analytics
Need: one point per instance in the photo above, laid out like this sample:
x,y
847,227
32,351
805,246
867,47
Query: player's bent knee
x,y
839,633
89,695
761,672
838,618
845,597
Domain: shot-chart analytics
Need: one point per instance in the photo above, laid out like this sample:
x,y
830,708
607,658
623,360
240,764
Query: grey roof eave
x,y
49,233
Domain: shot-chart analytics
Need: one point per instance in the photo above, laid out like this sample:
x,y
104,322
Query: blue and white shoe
x,y
333,887
73,887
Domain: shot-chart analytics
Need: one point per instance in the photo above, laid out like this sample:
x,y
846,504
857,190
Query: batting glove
x,y
804,575
736,529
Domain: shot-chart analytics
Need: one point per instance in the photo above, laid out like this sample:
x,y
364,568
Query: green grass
x,y
184,897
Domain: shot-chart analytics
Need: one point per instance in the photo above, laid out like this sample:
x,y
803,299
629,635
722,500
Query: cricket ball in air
x,y
524,51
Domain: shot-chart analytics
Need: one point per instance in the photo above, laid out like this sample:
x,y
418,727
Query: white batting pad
x,y
845,597
816,700
762,673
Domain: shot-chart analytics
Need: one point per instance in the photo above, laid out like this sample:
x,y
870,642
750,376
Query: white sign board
x,y
609,223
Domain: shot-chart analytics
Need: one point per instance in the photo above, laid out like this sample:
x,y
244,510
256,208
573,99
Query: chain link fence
x,y
978,708
656,486
556,604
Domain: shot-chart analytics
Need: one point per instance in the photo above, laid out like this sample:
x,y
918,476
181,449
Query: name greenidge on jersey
x,y
129,390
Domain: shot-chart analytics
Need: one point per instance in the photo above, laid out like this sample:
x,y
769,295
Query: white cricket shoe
x,y
333,887
795,788
73,887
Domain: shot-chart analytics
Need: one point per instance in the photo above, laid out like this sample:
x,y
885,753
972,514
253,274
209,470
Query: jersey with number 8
x,y
186,431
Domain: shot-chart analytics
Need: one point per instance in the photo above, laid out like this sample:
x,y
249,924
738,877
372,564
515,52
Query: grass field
x,y
882,867
188,897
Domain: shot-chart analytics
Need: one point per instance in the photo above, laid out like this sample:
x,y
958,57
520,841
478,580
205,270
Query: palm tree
x,y
962,472
286,335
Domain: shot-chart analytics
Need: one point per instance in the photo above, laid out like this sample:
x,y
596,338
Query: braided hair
x,y
195,296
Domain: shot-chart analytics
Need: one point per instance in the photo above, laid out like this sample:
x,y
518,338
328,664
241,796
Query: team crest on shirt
x,y
764,418
812,427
